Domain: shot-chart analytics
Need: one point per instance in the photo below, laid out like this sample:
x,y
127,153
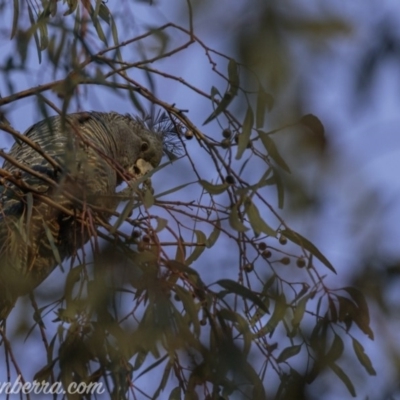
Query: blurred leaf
x,y
44,373
72,4
344,378
335,351
272,150
164,380
264,101
175,394
256,222
362,357
311,122
15,19
241,325
233,75
190,307
307,245
53,246
244,137
276,179
231,92
140,359
236,288
152,366
362,316
35,34
288,352
72,277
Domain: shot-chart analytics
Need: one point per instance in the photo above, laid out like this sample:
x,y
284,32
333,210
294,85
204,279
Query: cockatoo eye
x,y
144,146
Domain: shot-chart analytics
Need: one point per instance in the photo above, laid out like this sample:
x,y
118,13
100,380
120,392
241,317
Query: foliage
x,y
142,304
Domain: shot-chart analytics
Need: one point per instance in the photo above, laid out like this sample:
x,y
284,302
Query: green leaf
x,y
288,352
164,380
361,318
44,35
114,32
241,325
256,222
161,224
154,365
363,358
231,92
148,198
344,378
272,150
73,4
276,180
97,25
299,311
306,244
233,74
244,137
140,359
44,373
123,215
214,189
214,235
201,246
178,266
175,189
103,12
244,292
234,220
277,315
72,277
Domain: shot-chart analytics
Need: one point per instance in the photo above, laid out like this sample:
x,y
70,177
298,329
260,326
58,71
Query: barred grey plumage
x,y
94,152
